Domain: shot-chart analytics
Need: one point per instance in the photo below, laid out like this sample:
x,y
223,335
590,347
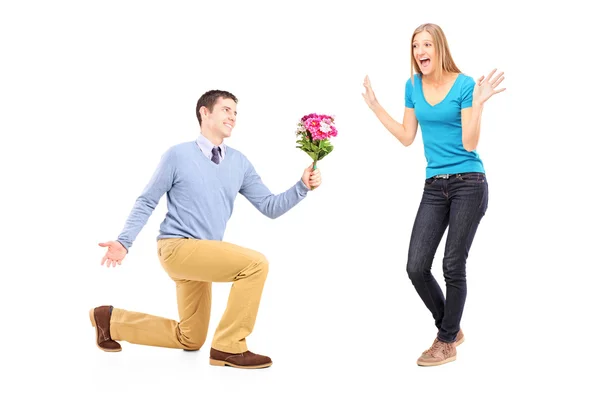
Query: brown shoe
x,y
246,359
439,353
100,319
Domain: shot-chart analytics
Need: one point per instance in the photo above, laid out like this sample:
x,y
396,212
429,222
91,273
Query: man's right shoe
x,y
246,359
100,319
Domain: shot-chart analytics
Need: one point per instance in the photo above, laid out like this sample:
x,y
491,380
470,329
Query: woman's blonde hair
x,y
445,63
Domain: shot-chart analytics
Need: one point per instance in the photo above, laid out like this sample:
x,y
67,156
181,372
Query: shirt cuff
x,y
125,244
302,189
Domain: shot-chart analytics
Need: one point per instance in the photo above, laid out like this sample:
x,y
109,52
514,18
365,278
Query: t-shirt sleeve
x,y
466,95
408,93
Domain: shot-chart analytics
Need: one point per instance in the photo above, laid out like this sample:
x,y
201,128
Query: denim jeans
x,y
457,202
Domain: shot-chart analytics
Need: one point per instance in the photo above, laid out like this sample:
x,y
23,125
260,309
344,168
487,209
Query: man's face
x,y
221,120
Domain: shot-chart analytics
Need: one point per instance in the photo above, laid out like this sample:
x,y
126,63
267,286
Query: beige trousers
x,y
194,265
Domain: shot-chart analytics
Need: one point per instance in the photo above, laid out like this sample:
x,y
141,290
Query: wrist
x,y
304,188
477,105
122,245
375,108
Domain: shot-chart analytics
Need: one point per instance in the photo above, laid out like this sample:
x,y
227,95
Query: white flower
x,y
324,127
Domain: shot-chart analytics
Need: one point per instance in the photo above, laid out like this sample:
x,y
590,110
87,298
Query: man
x,y
201,179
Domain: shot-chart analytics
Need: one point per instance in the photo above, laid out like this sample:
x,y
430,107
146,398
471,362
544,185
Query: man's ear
x,y
204,111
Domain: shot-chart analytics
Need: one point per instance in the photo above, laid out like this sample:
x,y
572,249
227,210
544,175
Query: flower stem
x,y
314,167
315,160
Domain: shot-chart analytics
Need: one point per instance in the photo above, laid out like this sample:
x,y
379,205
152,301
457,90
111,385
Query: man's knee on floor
x,y
192,341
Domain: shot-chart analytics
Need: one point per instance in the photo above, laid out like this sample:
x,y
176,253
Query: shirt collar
x,y
206,146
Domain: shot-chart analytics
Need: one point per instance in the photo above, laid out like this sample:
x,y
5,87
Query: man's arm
x,y
161,182
269,204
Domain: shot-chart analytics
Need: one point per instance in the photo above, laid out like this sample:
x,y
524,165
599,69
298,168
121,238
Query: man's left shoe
x,y
100,319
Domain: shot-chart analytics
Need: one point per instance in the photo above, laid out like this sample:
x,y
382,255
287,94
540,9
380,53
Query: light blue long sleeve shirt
x,y
201,194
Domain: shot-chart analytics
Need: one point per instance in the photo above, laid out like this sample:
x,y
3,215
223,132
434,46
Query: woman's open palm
x,y
486,87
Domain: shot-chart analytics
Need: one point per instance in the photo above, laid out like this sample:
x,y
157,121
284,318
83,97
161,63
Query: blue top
x,y
200,194
441,127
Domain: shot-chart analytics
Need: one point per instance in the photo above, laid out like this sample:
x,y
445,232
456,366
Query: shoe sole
x,y
220,363
93,321
433,364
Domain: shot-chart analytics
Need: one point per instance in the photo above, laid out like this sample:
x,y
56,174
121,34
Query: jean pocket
x,y
473,177
430,181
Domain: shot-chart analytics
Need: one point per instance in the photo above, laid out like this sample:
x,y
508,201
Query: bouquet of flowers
x,y
314,131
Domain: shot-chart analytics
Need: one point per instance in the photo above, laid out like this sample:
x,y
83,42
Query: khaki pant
x,y
194,265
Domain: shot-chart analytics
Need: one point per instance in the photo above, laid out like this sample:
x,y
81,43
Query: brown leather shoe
x,y
240,360
100,319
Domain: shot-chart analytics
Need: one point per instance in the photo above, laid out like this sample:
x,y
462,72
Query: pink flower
x,y
316,128
319,126
309,116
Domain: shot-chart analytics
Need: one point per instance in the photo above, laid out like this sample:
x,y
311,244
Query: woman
x,y
448,105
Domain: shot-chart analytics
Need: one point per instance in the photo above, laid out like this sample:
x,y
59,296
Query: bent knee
x,y
191,337
192,342
257,267
455,275
417,268
262,263
414,274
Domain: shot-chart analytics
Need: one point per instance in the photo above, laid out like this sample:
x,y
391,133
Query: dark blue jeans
x,y
457,202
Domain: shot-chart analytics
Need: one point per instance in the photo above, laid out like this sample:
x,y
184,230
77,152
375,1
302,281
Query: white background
x,y
93,93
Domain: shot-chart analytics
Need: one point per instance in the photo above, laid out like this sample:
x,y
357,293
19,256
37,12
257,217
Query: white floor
x,y
319,355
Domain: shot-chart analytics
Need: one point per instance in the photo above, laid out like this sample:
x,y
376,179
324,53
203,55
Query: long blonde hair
x,y
445,63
